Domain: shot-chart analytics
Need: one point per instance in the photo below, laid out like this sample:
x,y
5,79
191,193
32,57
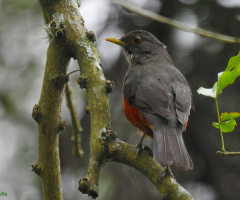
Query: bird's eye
x,y
136,40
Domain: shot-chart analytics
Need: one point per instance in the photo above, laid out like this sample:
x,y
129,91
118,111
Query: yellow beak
x,y
116,41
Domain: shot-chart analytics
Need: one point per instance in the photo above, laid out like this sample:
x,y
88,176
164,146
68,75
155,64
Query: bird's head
x,y
139,45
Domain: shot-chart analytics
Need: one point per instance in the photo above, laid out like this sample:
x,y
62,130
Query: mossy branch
x,y
122,152
66,28
119,151
47,115
176,24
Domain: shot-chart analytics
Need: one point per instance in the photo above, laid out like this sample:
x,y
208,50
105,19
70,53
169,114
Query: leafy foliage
x,y
226,121
226,126
227,116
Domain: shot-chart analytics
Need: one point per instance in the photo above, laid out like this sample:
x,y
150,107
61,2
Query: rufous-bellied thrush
x,y
156,97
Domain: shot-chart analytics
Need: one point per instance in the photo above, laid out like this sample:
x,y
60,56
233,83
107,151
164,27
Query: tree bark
x,y
47,115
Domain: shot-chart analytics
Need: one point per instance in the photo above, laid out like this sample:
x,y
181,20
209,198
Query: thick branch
x,y
128,154
119,151
47,114
81,43
174,23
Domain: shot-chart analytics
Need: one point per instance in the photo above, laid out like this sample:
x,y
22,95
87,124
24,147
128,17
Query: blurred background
x,y
23,46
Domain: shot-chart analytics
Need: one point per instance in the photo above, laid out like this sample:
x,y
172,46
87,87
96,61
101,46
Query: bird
x,y
157,98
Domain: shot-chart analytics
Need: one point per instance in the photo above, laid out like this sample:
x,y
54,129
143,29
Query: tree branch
x,y
228,153
176,24
119,151
77,128
81,46
47,115
144,163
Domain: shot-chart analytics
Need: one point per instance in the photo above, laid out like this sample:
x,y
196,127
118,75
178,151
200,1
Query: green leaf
x,y
209,92
215,124
233,61
220,74
228,78
224,78
226,126
227,116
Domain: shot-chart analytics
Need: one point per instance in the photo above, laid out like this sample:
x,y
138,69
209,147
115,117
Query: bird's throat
x,y
133,58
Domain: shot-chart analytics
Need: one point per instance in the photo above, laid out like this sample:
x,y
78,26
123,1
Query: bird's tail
x,y
169,148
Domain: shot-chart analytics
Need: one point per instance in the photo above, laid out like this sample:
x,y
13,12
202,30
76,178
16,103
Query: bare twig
x,y
177,24
228,153
77,128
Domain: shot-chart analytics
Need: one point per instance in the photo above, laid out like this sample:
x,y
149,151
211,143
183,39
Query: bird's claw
x,y
140,148
168,172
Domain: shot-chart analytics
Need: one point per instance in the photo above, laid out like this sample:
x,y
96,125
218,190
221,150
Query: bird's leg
x,y
139,145
168,171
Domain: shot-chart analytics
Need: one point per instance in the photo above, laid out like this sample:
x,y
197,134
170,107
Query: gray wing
x,y
152,97
183,99
149,95
156,97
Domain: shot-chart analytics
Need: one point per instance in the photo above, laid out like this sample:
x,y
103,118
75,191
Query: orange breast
x,y
137,119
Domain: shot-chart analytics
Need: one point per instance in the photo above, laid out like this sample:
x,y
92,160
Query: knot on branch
x,y
84,186
107,135
113,147
55,27
37,113
91,36
82,82
60,80
110,145
62,125
109,86
87,110
36,168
